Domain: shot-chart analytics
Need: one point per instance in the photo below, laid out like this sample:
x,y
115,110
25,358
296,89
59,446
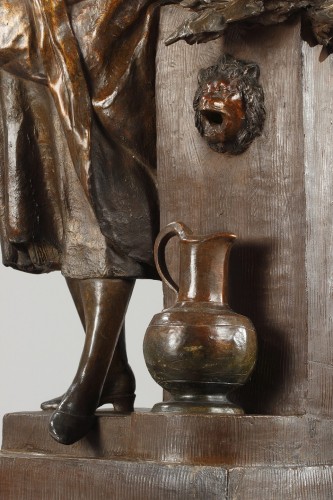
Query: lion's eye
x,y
213,117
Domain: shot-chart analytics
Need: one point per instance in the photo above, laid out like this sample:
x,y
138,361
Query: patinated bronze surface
x,y
214,17
229,105
78,188
94,145
199,349
277,198
78,163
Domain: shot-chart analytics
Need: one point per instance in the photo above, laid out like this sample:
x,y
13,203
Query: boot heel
x,y
123,404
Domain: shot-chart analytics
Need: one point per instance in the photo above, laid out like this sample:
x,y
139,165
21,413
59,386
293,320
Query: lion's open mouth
x,y
214,117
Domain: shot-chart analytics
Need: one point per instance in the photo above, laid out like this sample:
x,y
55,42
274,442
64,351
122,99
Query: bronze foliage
x,y
213,17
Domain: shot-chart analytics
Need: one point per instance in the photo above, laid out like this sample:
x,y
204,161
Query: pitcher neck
x,y
204,269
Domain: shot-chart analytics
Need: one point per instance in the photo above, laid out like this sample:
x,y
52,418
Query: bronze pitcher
x,y
199,349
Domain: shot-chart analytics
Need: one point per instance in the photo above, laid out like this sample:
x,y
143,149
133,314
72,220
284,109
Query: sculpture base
x,y
148,456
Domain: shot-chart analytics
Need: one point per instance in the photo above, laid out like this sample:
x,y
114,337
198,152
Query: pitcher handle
x,y
173,229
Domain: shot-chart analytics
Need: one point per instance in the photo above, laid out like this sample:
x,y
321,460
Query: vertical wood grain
x,y
259,195
318,130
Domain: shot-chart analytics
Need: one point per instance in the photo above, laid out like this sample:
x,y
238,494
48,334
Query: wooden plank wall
x,y
318,130
259,195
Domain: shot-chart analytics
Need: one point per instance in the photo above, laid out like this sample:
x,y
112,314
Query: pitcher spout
x,y
203,264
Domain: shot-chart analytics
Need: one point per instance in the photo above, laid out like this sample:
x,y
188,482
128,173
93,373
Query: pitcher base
x,y
198,407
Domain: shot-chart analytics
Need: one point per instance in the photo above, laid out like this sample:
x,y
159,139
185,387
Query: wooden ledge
x,y
215,440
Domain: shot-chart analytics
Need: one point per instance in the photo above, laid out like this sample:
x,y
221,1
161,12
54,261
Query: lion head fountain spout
x,y
229,105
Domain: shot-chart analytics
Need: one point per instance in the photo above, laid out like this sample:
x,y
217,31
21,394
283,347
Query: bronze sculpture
x,y
199,349
214,17
276,196
78,186
75,60
229,105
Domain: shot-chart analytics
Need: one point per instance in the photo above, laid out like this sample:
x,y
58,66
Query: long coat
x,y
78,162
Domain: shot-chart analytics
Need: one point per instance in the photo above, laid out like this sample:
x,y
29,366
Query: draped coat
x,y
78,156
